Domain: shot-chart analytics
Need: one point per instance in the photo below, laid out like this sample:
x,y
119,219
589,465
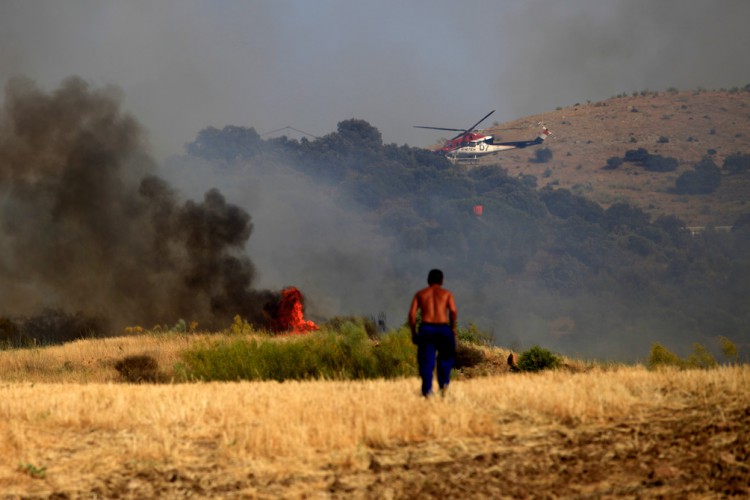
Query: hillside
x,y
586,135
597,265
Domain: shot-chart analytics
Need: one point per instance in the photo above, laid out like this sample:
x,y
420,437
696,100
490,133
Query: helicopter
x,y
469,145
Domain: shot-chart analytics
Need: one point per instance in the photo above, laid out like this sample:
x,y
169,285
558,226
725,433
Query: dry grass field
x,y
70,429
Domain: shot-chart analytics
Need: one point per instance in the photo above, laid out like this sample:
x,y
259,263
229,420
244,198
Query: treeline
x,y
538,262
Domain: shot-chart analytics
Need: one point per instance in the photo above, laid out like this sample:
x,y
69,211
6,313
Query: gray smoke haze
x,y
187,65
306,235
86,226
183,66
590,50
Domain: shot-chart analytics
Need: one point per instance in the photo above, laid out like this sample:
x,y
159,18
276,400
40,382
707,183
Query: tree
x,y
652,163
737,163
359,133
564,204
705,178
228,144
624,216
658,163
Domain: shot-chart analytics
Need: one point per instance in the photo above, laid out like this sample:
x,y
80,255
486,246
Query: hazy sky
x,y
184,65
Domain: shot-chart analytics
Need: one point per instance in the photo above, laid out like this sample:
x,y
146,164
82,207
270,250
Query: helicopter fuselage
x,y
477,148
470,145
484,145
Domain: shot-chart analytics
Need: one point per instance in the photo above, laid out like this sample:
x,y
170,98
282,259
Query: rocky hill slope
x,y
686,126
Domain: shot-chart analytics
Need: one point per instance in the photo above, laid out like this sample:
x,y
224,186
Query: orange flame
x,y
290,316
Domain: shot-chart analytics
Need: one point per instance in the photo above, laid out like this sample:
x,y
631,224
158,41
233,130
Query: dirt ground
x,y
701,452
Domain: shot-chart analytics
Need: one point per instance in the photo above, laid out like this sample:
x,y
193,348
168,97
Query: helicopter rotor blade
x,y
480,121
473,127
441,128
460,130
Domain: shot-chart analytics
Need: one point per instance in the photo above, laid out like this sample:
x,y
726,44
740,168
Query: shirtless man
x,y
436,331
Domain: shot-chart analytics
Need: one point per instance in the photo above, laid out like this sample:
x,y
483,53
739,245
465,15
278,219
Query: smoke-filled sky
x,y
177,67
184,65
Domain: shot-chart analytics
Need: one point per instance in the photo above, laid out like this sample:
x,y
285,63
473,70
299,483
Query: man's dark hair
x,y
435,277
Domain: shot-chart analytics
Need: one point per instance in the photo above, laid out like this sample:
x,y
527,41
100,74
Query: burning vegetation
x,y
287,314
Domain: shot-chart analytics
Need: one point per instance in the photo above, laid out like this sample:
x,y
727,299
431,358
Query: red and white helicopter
x,y
469,145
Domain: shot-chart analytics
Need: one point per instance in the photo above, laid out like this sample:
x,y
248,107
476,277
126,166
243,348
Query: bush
x,y
337,322
467,340
468,355
652,163
658,163
396,354
139,368
704,179
701,358
729,349
639,155
537,359
542,156
737,163
661,356
342,354
473,335
613,163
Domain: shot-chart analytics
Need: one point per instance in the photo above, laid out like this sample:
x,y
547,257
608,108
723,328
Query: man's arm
x,y
452,312
413,316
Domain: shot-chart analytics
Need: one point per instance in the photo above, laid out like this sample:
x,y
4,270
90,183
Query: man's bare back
x,y
437,306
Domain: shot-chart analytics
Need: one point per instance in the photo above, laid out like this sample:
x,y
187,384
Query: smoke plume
x,y
88,227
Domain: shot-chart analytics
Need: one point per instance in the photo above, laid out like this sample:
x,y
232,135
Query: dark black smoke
x,y
86,227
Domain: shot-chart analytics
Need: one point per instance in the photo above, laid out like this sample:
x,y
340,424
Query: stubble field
x,y
69,429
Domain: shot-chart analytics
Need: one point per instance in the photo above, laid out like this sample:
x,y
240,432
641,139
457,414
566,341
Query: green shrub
x,y
337,322
473,335
537,359
661,356
729,349
396,354
701,357
342,354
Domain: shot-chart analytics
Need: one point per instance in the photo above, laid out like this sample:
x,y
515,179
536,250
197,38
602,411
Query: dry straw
x,y
80,430
62,412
